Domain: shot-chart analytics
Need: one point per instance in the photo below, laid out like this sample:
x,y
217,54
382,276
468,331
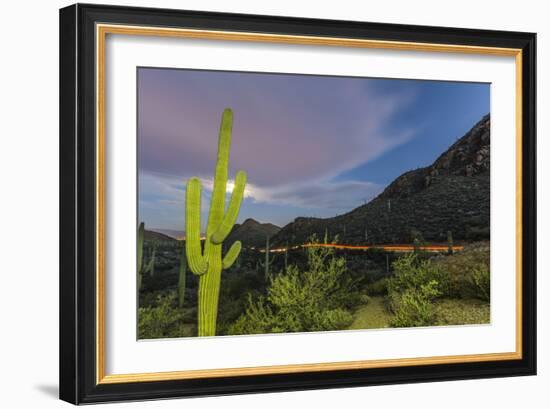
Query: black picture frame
x,y
78,360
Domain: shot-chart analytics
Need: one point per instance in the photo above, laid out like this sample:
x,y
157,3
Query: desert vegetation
x,y
315,298
415,256
319,289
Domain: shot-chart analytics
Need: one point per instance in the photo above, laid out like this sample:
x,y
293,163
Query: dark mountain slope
x,y
452,194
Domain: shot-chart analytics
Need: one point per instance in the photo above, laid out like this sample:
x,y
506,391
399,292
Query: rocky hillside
x,y
452,194
252,233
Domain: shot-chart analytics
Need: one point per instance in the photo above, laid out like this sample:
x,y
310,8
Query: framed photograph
x,y
257,203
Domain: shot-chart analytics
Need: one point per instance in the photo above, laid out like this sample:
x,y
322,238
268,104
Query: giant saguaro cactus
x,y
208,263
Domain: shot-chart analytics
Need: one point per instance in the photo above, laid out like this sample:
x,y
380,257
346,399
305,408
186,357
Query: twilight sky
x,y
311,145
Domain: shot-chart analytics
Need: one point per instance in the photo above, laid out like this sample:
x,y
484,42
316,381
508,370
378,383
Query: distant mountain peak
x,y
250,221
155,235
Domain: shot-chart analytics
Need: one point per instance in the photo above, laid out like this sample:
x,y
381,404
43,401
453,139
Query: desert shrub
x,y
232,301
364,299
164,320
376,254
416,236
414,307
478,233
189,315
461,312
257,319
413,289
229,310
411,272
299,301
481,283
379,287
468,271
235,285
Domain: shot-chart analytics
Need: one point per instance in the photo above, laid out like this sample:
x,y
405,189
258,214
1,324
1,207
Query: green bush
x,y
469,272
411,272
364,299
416,289
414,307
480,279
460,312
413,289
233,301
379,287
164,320
301,301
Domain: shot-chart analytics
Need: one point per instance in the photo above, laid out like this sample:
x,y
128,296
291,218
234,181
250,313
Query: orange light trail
x,y
434,248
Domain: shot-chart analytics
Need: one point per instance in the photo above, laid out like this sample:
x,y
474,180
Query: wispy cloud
x,y
287,129
164,195
293,135
318,195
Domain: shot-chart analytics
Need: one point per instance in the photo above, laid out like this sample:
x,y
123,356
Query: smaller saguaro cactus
x,y
286,256
141,268
268,260
416,245
450,242
182,277
151,265
140,254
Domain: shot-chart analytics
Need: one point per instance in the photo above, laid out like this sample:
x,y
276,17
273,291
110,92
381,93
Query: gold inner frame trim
x,y
101,33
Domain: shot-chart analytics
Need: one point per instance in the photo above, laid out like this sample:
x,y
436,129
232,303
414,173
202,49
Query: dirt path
x,y
371,315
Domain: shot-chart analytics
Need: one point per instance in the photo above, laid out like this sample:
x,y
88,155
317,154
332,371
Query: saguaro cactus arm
x,y
217,203
231,255
197,263
232,211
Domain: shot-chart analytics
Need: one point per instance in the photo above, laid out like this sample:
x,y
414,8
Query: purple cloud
x,y
287,129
